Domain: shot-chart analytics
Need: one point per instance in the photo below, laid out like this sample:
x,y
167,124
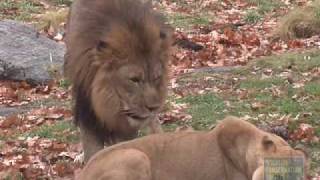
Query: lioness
x,y
234,150
116,59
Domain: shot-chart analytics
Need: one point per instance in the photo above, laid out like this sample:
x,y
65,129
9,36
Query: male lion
x,y
116,59
234,150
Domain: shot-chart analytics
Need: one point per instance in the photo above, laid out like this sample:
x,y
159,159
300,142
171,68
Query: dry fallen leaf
x,y
305,132
256,106
10,121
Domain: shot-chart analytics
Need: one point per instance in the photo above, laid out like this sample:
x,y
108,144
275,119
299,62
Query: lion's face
x,y
276,149
141,87
274,146
130,82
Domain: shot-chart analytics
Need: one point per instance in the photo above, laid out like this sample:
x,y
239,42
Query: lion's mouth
x,y
133,114
138,117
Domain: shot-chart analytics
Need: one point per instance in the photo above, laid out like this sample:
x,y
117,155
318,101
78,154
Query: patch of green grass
x,y
62,2
186,78
64,83
187,21
257,83
6,4
317,12
204,109
313,88
18,10
317,131
28,6
287,106
171,127
252,17
313,106
314,154
265,6
14,176
282,105
241,71
239,109
299,62
2,138
262,96
201,20
50,101
56,131
181,3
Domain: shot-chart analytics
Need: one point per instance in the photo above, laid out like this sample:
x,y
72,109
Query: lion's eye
x,y
135,79
163,35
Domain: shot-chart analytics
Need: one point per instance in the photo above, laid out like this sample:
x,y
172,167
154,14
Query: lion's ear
x,y
268,144
102,53
106,49
103,49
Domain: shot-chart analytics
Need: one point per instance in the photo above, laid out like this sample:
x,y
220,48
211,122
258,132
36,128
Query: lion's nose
x,y
153,107
152,99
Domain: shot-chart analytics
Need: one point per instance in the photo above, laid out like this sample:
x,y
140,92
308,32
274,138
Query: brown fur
x,y
234,150
117,52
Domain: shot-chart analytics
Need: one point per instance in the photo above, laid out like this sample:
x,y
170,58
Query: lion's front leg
x,y
92,142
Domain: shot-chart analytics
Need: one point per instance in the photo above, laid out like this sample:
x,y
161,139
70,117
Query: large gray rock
x,y
26,55
7,111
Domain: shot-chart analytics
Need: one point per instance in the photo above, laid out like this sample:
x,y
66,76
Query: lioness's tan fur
x,y
234,150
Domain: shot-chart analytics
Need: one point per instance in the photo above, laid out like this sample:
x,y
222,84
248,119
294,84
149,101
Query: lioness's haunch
x,y
234,150
116,59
